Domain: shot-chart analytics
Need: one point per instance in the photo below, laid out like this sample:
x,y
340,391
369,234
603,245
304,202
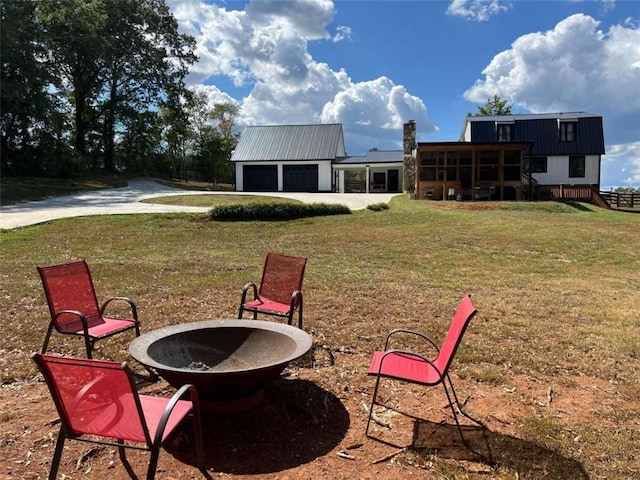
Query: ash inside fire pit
x,y
225,359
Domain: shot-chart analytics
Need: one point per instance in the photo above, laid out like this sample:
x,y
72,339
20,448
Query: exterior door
x,y
393,180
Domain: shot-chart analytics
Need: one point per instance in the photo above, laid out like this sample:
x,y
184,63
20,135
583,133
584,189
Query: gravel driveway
x,y
117,201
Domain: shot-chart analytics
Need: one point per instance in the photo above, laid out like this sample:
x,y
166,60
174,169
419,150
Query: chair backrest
x,y
281,276
94,397
70,287
465,312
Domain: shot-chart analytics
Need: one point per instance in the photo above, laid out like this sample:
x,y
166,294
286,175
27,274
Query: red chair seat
x,y
404,367
266,304
100,328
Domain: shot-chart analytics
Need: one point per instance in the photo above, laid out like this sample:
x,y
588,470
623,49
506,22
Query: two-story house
x,y
512,157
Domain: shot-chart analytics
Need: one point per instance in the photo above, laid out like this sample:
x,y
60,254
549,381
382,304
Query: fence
x,y
186,175
621,200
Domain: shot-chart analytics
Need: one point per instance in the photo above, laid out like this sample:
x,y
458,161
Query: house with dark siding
x,y
513,157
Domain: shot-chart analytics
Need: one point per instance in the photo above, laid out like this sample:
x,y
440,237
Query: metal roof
x,y
290,142
373,156
530,116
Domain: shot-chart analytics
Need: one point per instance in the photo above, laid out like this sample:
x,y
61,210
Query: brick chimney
x,y
409,160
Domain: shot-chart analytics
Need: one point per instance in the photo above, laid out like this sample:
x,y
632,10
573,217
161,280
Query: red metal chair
x,y
74,309
98,403
421,368
280,290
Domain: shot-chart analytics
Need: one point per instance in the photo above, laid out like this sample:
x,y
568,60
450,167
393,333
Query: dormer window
x,y
505,132
567,131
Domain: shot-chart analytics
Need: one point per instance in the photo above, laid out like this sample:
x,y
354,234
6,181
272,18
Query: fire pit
x,y
229,361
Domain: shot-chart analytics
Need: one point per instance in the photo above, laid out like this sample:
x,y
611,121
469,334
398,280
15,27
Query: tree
x,y
495,106
74,35
25,102
213,139
117,58
144,59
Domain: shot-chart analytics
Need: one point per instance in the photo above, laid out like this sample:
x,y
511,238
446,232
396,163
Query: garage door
x,y
260,178
300,178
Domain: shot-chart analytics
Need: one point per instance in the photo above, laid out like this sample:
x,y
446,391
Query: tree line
x,y
98,86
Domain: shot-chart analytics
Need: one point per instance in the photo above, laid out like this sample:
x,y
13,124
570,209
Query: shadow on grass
x,y
494,450
296,422
579,206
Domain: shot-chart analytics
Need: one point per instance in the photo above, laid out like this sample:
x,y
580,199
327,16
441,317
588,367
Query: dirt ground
x,y
311,424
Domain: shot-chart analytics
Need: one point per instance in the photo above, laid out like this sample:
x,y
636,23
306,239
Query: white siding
x,y
558,171
324,176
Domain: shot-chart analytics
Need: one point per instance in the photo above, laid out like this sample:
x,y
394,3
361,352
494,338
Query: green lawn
x,y
556,286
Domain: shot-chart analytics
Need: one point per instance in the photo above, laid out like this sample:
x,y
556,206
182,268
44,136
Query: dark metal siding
x,y
484,131
544,133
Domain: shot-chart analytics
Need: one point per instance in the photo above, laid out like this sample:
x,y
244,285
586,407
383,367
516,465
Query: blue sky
x,y
372,65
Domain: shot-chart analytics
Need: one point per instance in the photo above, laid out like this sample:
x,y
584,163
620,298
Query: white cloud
x,y
342,33
214,94
574,67
621,165
264,49
477,10
374,112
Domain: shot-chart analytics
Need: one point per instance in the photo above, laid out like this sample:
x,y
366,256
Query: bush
x,y
275,211
378,207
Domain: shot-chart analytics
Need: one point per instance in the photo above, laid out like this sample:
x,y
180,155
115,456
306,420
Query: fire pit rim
x,y
140,345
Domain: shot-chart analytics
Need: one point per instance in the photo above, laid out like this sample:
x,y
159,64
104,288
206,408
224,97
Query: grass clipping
x,y
275,211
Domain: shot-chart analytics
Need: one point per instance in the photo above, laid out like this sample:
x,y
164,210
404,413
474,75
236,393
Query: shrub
x,y
275,211
378,207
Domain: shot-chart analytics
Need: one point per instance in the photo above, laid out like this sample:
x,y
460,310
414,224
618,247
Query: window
x,y
504,132
567,131
512,160
428,162
539,165
488,168
576,167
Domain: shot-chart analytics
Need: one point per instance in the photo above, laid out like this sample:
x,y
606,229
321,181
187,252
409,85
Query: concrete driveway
x,y
126,200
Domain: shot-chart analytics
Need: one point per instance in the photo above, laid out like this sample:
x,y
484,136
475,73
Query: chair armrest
x,y
408,353
80,315
296,299
132,306
245,290
171,405
409,332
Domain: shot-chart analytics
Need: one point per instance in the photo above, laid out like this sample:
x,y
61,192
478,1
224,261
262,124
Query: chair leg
x,y
300,315
197,431
373,401
457,405
57,455
153,462
89,346
45,345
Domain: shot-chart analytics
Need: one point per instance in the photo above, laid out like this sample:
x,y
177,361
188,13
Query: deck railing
x,y
577,193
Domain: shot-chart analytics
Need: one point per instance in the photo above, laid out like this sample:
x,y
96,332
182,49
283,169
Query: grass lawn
x,y
556,285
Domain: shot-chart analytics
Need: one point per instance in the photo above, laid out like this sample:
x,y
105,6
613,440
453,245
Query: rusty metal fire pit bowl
x,y
229,361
